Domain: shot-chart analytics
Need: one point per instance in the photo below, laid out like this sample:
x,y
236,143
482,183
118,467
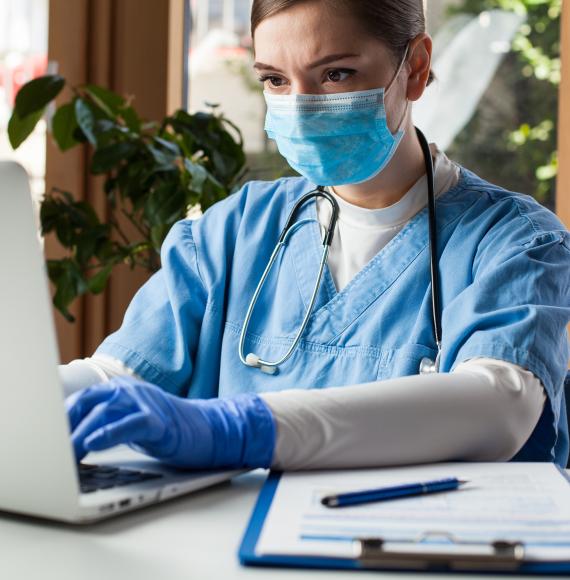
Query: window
x,y
221,76
220,63
494,107
23,56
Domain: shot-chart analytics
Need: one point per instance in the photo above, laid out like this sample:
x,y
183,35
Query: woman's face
x,y
309,49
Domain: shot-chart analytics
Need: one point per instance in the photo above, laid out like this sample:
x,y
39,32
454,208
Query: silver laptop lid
x,y
37,464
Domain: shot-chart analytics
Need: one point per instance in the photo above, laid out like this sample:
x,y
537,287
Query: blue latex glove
x,y
229,433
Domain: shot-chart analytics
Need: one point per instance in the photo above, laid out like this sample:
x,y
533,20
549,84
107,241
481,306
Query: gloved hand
x,y
229,433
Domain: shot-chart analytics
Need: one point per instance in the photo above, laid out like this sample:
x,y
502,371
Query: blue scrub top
x,y
505,275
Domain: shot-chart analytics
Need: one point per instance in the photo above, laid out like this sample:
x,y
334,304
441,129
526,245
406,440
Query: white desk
x,y
194,537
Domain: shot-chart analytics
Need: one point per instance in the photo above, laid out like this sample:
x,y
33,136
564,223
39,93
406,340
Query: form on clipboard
x,y
510,517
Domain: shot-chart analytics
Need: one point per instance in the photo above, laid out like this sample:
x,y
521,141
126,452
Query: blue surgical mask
x,y
334,139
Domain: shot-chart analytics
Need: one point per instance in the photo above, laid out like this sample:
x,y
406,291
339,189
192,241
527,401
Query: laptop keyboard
x,y
95,477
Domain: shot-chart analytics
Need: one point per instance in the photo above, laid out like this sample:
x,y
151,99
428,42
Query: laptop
x,y
40,476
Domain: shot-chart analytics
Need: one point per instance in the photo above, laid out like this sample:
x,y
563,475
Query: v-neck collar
x,y
335,311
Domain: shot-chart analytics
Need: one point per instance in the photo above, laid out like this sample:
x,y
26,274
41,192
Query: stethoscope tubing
x,y
434,261
290,226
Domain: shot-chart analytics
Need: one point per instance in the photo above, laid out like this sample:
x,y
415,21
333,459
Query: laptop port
x,y
124,503
106,508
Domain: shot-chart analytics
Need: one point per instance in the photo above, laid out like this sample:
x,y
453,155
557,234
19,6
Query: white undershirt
x,y
361,233
484,410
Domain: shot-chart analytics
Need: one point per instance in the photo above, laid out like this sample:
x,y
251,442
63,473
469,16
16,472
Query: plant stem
x,y
134,222
115,224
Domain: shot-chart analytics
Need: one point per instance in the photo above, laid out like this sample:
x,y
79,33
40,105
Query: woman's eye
x,y
275,82
339,74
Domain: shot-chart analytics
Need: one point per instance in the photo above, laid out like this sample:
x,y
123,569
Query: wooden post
x,y
563,185
67,47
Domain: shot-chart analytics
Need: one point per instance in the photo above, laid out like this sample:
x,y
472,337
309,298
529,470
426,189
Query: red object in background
x,y
32,66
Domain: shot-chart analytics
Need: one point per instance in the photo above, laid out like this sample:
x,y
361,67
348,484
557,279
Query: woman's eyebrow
x,y
331,58
261,66
320,62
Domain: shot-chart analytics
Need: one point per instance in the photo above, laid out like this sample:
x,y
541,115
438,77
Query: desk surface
x,y
194,537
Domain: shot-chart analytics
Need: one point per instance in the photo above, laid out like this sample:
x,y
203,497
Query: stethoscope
x,y
427,365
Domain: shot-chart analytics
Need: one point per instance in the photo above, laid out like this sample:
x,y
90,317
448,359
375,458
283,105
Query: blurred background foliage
x,y
154,174
512,139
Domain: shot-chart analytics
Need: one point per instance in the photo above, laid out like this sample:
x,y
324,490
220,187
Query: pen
x,y
394,492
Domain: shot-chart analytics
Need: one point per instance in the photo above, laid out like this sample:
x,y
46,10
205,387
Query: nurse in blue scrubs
x,y
180,380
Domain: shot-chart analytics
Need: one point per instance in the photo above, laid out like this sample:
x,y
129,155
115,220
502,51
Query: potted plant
x,y
153,174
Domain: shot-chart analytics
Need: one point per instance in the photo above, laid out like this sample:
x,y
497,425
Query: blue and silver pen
x,y
397,491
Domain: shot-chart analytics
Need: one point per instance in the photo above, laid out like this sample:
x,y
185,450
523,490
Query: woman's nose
x,y
305,87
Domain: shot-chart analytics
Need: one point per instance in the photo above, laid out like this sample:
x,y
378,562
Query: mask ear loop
x,y
400,67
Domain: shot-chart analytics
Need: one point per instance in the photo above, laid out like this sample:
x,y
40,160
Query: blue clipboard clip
x,y
500,555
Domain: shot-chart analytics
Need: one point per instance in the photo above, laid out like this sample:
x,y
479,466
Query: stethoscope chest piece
x,y
429,366
252,360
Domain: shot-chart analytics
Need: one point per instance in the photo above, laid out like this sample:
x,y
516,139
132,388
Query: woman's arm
x,y
82,373
484,411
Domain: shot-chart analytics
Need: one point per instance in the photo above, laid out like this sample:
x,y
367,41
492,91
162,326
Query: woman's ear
x,y
419,64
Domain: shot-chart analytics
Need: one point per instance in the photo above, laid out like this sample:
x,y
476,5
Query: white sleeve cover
x,y
82,373
484,410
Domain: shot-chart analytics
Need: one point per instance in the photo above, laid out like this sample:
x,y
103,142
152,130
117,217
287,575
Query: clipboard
x,y
376,554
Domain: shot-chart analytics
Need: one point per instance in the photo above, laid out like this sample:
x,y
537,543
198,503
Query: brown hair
x,y
394,22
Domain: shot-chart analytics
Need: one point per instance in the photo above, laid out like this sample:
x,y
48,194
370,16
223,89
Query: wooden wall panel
x,y
148,65
68,48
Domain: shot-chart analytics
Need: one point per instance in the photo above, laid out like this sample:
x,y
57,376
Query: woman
x,y
339,77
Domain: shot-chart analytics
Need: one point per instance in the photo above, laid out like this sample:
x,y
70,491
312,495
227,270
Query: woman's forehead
x,y
307,33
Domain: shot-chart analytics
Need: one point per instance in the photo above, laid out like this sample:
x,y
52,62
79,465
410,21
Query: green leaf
x,y
36,94
85,120
158,234
224,156
79,136
75,223
135,180
97,283
89,241
198,173
131,119
109,157
164,159
154,172
104,126
63,127
49,214
68,281
236,129
165,205
546,172
19,129
106,100
107,249
168,145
